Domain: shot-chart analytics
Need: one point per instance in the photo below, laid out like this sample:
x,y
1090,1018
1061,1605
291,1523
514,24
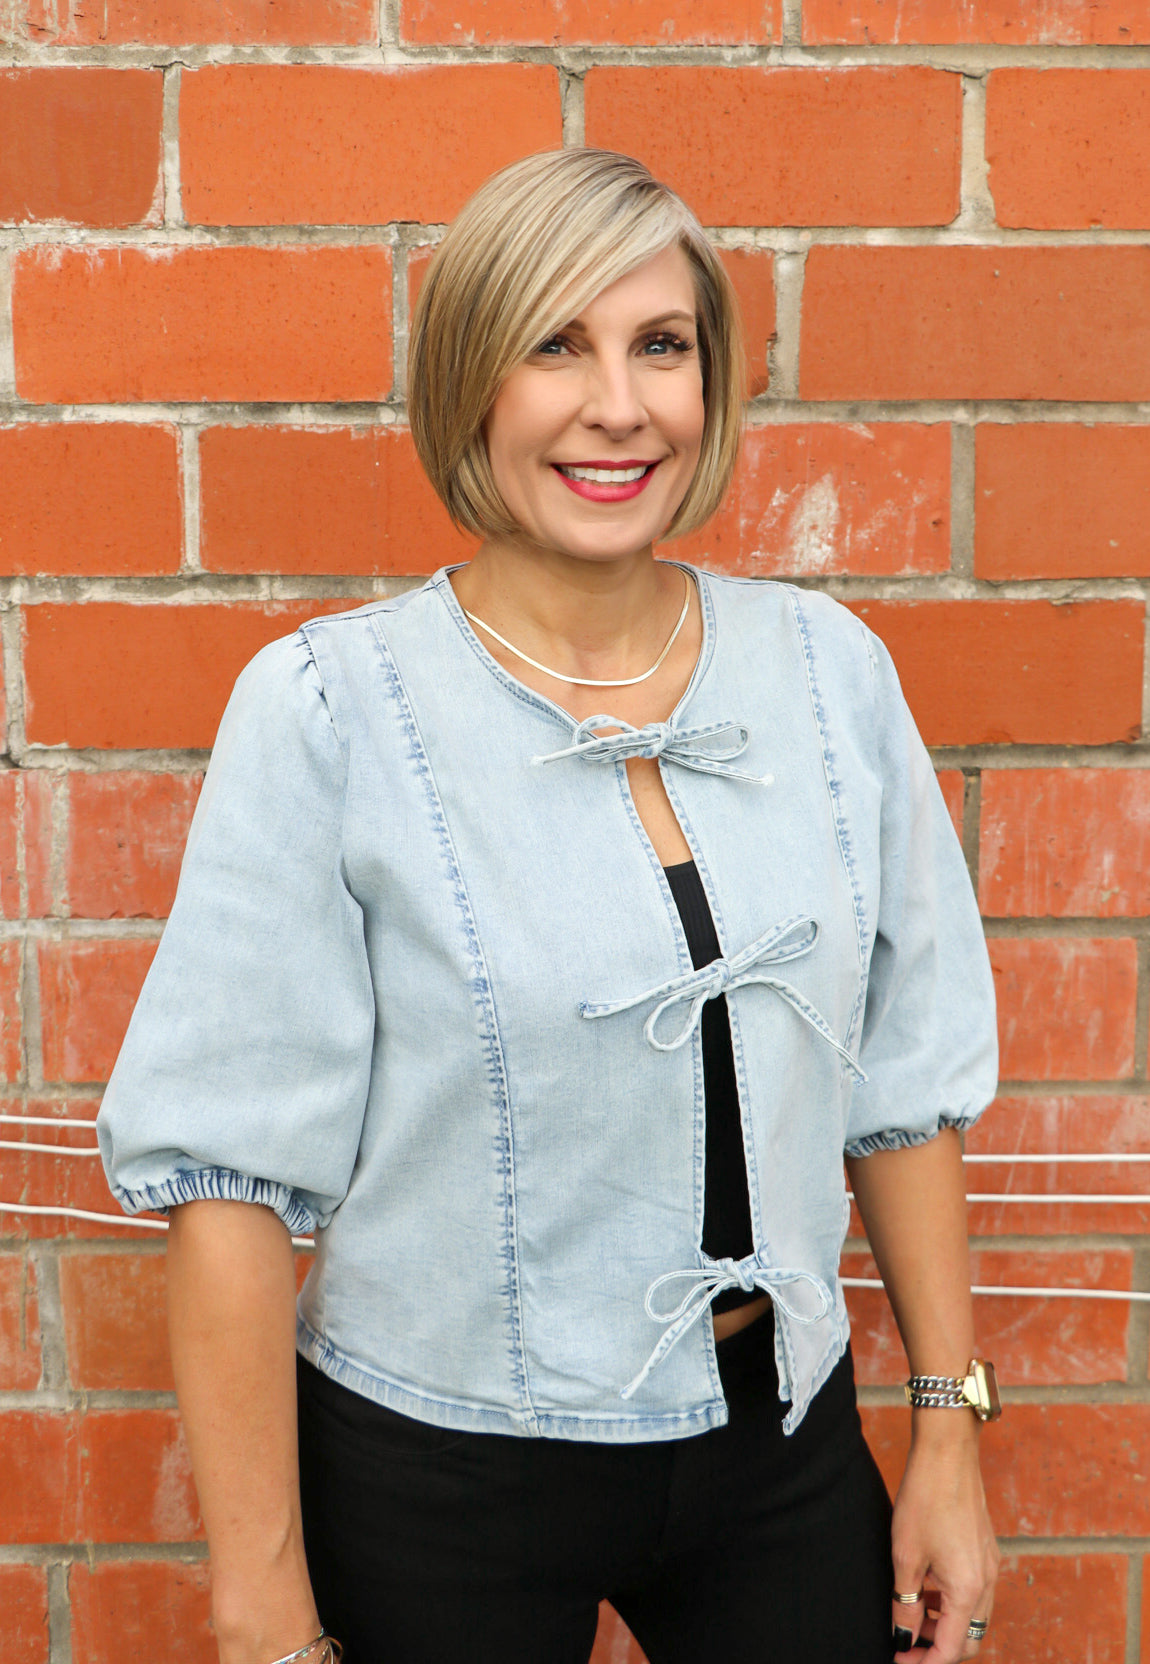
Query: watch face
x,y
989,1407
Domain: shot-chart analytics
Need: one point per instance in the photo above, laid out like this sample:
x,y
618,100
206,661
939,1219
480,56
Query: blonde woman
x,y
546,936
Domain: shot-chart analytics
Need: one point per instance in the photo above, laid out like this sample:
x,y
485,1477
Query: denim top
x,y
424,988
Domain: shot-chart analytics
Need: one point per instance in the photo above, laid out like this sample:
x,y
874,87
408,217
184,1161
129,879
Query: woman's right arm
x,y
231,1314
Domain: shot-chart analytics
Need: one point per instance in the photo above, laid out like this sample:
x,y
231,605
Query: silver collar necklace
x,y
587,681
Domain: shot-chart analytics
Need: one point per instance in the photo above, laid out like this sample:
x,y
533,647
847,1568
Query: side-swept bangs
x,y
531,248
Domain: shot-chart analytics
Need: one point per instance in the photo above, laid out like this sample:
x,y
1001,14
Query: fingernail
x,y
902,1639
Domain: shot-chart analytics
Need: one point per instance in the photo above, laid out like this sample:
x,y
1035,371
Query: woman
x,y
545,937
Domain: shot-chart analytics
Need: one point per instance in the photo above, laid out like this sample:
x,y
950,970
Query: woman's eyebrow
x,y
647,323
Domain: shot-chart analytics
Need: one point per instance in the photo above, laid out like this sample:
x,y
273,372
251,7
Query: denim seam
x,y
483,996
834,790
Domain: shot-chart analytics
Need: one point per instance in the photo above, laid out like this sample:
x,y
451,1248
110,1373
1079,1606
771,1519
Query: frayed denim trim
x,y
900,1139
219,1184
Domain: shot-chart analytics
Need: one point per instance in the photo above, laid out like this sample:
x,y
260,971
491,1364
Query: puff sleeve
x,y
244,1073
929,1043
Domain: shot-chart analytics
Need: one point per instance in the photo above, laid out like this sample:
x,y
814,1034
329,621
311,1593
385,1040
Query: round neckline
x,y
442,582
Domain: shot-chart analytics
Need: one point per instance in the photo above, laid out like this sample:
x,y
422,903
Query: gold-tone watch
x,y
977,1390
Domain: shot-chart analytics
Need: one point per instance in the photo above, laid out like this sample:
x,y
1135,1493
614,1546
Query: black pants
x,y
737,1546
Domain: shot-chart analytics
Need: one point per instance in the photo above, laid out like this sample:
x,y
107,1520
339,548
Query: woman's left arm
x,y
913,1207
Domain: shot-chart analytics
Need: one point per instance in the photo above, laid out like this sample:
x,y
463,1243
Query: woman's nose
x,y
613,402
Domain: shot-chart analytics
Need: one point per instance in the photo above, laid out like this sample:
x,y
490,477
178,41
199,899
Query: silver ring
x,y
977,1628
908,1600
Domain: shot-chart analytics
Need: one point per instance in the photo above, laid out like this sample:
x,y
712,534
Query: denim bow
x,y
707,1284
789,940
691,747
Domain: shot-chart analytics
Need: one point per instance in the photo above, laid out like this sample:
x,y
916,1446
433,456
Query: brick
x,y
996,22
11,1011
54,1181
136,1479
1069,1125
87,992
126,836
952,784
108,675
39,1477
297,144
614,1643
19,1321
1021,672
24,1613
141,1609
1069,148
115,1321
1033,1342
320,500
81,145
752,270
203,23
1061,500
564,22
1049,1609
1065,1008
1065,843
88,497
820,497
976,323
872,146
1051,1470
106,325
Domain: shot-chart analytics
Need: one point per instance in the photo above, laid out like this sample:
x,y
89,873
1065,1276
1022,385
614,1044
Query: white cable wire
x,y
1142,1156
50,1149
46,1121
1045,1293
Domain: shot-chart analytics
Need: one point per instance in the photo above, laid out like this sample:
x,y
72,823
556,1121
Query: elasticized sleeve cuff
x,y
205,1184
899,1138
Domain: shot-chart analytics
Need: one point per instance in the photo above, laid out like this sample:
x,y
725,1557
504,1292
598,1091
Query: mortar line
x,y
1134,1607
7,341
976,205
32,1037
783,352
173,211
11,647
792,23
972,824
188,443
53,1344
59,1615
572,106
60,811
387,23
963,506
1142,1009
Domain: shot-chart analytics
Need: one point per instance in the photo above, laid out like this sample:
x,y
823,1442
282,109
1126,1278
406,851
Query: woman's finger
x,y
907,1617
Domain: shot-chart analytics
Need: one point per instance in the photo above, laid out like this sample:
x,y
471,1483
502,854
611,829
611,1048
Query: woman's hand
x,y
942,1531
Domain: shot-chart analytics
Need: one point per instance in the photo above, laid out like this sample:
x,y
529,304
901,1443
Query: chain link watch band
x,y
977,1391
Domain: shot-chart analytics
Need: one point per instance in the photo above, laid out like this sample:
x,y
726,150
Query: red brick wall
x,y
212,217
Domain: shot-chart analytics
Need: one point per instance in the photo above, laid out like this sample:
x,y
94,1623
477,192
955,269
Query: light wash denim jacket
x,y
425,989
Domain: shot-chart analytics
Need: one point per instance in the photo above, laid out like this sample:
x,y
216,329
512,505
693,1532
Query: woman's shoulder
x,y
823,624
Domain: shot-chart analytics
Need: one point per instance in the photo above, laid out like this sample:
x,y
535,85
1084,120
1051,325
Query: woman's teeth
x,y
605,476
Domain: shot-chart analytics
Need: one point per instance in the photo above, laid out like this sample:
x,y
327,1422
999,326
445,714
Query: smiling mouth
x,y
606,476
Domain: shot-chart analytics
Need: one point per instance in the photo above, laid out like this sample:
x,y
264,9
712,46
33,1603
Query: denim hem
x,y
463,1417
900,1139
219,1184
799,1407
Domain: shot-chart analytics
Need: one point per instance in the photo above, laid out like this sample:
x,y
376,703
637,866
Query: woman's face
x,y
594,439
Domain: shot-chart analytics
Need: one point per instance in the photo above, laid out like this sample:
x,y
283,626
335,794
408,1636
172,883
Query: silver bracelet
x,y
294,1657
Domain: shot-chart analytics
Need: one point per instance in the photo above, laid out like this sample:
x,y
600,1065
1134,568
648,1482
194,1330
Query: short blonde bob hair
x,y
531,248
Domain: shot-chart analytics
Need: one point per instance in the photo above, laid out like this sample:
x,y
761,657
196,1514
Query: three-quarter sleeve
x,y
929,1043
245,1069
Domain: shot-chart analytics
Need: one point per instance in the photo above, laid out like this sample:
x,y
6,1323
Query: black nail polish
x,y
902,1638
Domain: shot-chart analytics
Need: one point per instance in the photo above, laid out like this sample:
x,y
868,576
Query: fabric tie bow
x,y
692,747
789,940
707,1284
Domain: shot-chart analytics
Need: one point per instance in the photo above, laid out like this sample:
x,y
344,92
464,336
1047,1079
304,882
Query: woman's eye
x,y
665,345
552,347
